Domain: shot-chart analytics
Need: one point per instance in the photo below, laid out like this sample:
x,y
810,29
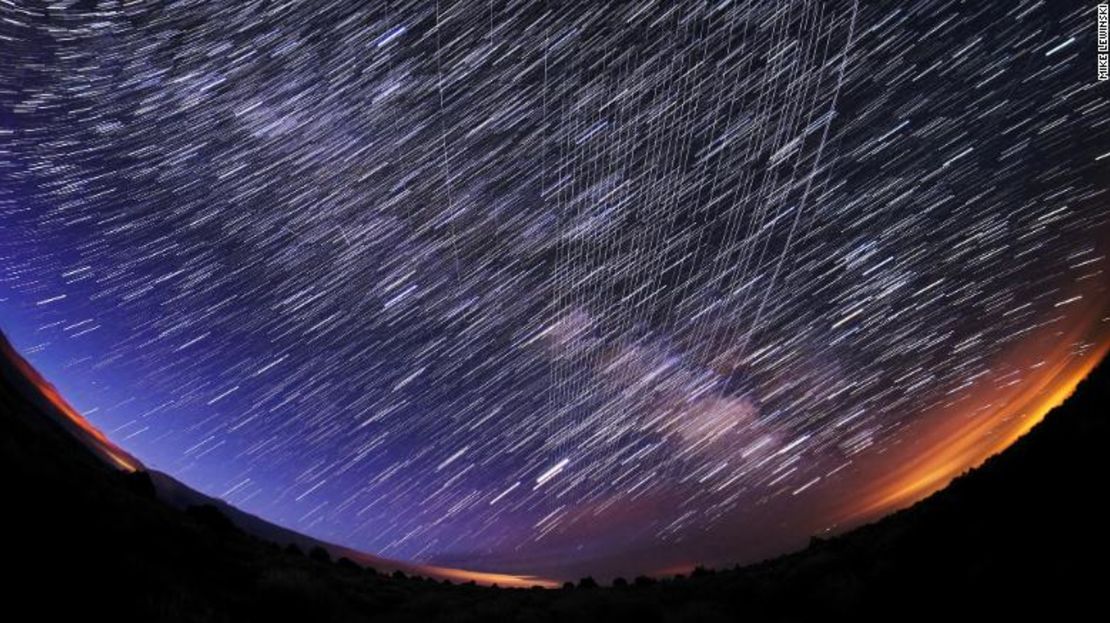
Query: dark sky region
x,y
556,287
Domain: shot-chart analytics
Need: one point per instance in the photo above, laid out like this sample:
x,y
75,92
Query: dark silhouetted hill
x,y
179,495
1024,534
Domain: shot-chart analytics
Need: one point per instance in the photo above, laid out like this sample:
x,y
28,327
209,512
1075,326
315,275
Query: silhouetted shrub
x,y
212,517
643,581
399,575
319,554
620,583
293,550
290,594
347,564
587,582
140,483
568,585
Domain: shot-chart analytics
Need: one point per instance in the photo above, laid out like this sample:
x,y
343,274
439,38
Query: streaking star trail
x,y
556,288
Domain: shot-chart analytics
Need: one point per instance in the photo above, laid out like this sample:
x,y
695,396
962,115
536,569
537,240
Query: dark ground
x,y
1025,532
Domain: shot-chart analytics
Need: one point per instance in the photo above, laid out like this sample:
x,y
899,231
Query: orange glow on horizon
x,y
943,444
485,578
99,441
113,452
488,578
121,459
939,454
673,570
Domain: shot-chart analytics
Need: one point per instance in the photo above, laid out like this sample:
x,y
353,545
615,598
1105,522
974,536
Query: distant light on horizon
x,y
551,291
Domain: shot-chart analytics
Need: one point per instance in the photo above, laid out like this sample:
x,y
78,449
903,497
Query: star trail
x,y
556,286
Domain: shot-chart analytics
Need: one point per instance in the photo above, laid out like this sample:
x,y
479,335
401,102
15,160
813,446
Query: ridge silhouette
x,y
1023,532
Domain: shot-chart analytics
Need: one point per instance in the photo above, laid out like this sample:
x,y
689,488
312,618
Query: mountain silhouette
x,y
93,533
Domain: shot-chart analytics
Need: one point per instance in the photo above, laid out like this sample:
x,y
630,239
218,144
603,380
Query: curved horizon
x,y
555,290
930,471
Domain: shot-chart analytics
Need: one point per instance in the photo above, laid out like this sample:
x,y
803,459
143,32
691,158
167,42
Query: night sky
x,y
556,288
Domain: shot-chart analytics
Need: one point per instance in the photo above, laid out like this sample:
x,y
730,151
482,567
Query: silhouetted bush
x,y
139,482
347,564
620,583
319,554
211,517
295,595
587,582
